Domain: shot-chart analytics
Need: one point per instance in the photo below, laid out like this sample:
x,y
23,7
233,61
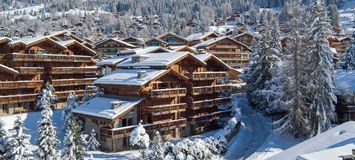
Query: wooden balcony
x,y
64,94
72,82
202,104
20,84
221,88
167,93
11,99
121,132
30,70
206,75
202,90
209,117
49,58
167,109
224,100
74,70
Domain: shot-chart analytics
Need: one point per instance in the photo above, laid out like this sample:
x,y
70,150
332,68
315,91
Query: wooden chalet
x,y
111,46
29,62
67,35
138,42
173,39
230,51
156,42
245,38
341,44
176,93
200,37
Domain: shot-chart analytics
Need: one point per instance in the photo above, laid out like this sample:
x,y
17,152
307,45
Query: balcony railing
x,y
125,131
210,117
49,58
74,70
64,94
11,99
225,100
221,88
72,82
166,109
206,75
202,104
170,92
30,70
202,90
20,84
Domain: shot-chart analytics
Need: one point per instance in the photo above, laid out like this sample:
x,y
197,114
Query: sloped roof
x,y
207,56
66,32
116,40
338,136
9,70
182,48
345,80
157,60
112,61
172,34
215,40
4,40
102,107
73,42
150,49
130,77
157,39
33,40
199,36
136,38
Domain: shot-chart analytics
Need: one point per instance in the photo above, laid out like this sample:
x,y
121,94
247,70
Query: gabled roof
x,y
162,60
132,37
207,56
74,42
65,32
156,39
200,36
112,61
9,70
149,49
102,107
4,40
183,49
29,41
338,136
246,33
116,40
129,77
215,40
172,34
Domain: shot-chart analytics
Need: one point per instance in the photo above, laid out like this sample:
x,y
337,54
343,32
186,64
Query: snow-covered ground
x,y
347,16
255,139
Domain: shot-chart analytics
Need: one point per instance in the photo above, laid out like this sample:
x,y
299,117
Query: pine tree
x,y
156,150
92,144
46,140
349,60
74,144
3,135
72,102
69,146
17,145
320,69
139,138
46,93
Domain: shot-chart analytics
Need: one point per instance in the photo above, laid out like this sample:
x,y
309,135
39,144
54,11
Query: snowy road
x,y
251,136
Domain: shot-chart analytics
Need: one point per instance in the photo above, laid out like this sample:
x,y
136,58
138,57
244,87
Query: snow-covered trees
x,y
74,141
17,145
72,102
46,96
47,135
263,65
320,68
92,144
3,134
139,138
156,150
349,59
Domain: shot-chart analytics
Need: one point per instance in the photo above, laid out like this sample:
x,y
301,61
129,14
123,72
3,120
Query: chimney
x,y
115,104
141,74
139,58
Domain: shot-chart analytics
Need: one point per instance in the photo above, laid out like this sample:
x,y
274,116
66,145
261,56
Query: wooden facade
x,y
341,44
28,63
181,98
245,38
230,51
111,46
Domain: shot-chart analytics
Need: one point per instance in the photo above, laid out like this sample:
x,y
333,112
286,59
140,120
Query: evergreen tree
x,y
349,60
320,70
74,144
3,135
46,140
46,93
68,152
17,146
139,138
92,144
72,102
156,150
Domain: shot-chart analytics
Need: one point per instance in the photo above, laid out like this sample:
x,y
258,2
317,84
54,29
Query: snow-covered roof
x,y
182,48
136,38
102,107
341,135
112,61
68,43
199,36
8,70
247,33
30,40
157,39
116,40
4,39
150,49
345,80
130,77
171,34
155,60
206,56
215,40
333,153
